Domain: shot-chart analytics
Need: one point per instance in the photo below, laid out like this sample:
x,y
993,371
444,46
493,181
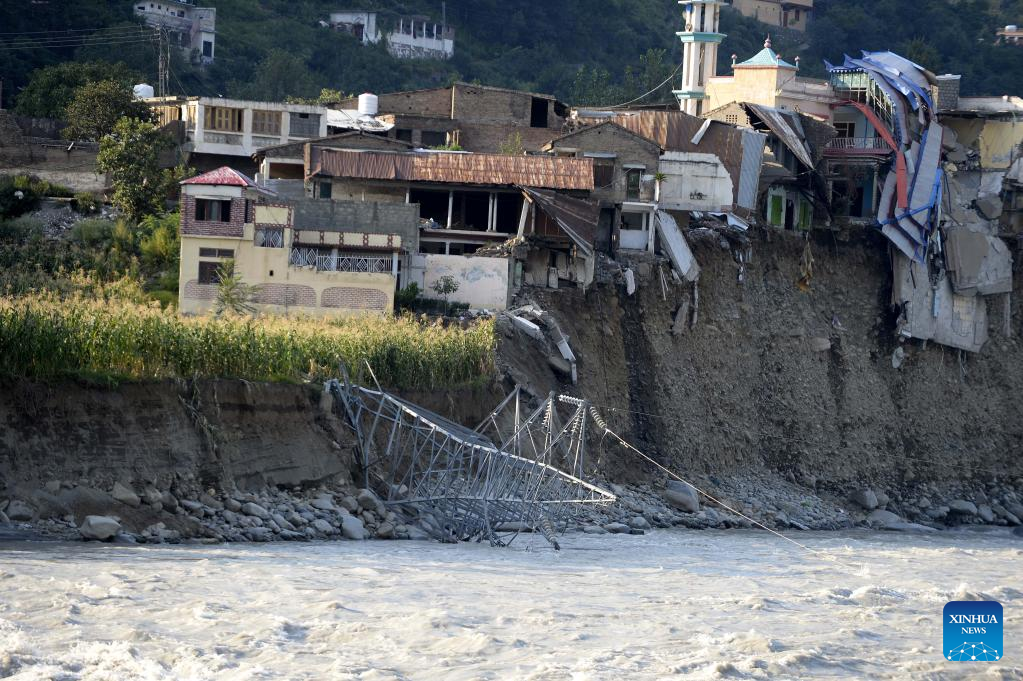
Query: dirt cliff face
x,y
213,433
798,382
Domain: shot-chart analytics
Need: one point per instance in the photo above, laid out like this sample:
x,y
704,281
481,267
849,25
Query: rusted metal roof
x,y
546,172
577,218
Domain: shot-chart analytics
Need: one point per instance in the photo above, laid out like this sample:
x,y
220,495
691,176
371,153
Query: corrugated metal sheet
x,y
749,171
486,169
782,127
674,131
577,218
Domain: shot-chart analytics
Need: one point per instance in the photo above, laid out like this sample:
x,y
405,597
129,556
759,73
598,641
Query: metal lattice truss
x,y
490,483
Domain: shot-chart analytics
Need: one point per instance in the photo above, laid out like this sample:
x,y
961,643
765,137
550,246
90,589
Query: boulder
x,y
879,518
99,527
282,522
53,486
169,501
594,529
937,512
125,495
18,510
990,206
986,513
255,510
1014,508
682,496
259,534
882,499
49,506
4,520
865,498
351,528
324,502
367,499
385,531
233,505
208,500
322,526
193,507
639,523
963,507
617,528
152,496
350,504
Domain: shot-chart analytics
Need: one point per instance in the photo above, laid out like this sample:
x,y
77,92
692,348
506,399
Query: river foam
x,y
702,605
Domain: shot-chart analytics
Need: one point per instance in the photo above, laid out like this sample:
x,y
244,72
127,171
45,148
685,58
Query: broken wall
x,y
483,283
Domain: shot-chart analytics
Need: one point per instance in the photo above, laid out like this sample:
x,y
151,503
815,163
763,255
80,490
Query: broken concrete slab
x,y
990,207
978,264
528,327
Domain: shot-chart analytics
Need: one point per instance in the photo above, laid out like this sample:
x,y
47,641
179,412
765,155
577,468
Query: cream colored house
x,y
344,260
770,80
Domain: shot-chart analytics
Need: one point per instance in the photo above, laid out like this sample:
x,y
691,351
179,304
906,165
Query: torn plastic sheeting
x,y
681,256
978,264
779,124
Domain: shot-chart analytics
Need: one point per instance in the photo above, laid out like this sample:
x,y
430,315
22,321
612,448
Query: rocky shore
x,y
147,515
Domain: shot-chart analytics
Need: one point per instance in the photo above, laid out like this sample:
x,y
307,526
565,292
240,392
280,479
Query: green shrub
x,y
42,187
405,299
166,298
94,233
15,200
86,202
20,229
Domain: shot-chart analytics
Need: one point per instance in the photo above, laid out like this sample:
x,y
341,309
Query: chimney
x,y
948,92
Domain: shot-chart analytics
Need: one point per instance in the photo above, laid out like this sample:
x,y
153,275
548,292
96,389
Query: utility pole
x,y
163,66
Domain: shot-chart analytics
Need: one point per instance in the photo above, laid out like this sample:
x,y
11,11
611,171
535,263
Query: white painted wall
x,y
695,182
483,283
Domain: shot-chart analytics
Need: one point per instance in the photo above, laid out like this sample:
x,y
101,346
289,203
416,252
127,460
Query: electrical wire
x,y
644,96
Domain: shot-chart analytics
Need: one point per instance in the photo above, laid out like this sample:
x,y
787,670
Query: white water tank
x,y
369,104
143,91
1011,28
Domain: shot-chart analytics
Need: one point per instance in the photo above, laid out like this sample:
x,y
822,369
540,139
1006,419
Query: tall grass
x,y
44,335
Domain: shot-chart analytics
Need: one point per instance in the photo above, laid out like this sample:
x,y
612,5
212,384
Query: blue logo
x,y
972,631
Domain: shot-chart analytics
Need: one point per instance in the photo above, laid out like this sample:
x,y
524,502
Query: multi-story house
x,y
192,28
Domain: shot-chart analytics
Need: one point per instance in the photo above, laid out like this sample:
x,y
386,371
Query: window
x,y
538,113
207,49
223,119
732,119
266,123
304,125
216,253
603,172
404,135
212,210
209,273
633,179
845,128
326,190
434,139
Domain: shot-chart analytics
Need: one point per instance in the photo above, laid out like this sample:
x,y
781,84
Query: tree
x,y
445,286
233,295
96,108
51,90
131,155
279,76
512,146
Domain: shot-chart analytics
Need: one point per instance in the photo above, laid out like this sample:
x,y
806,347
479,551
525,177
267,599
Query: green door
x,y
775,213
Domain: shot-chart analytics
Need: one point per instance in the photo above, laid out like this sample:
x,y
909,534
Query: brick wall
x,y
366,217
192,227
627,148
485,138
197,291
285,295
435,102
348,298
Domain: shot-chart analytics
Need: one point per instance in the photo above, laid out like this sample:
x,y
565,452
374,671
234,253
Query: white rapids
x,y
670,604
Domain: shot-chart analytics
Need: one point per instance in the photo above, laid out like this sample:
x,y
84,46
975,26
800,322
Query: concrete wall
x,y
434,102
366,217
483,283
358,190
695,182
75,169
771,12
780,88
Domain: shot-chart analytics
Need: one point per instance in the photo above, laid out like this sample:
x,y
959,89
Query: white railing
x,y
353,263
858,144
270,238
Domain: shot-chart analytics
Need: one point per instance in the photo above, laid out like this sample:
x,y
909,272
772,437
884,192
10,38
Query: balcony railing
x,y
269,238
309,257
353,263
856,145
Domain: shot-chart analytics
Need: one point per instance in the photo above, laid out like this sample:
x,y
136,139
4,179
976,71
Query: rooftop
x,y
222,176
766,58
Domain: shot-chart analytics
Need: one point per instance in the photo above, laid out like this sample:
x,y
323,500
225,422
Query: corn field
x,y
45,335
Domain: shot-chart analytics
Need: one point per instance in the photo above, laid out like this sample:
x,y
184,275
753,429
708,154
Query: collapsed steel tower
x,y
491,483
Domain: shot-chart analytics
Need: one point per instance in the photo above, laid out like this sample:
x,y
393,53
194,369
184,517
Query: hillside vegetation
x,y
597,51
